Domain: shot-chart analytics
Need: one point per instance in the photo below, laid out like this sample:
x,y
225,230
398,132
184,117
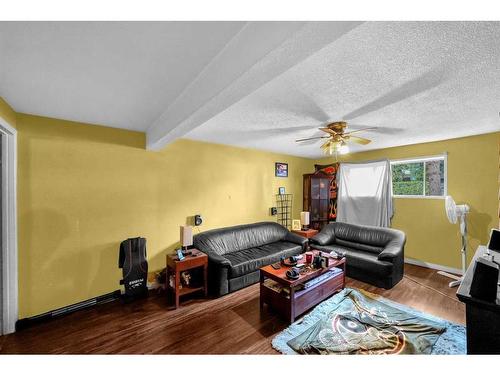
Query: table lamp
x,y
304,220
186,236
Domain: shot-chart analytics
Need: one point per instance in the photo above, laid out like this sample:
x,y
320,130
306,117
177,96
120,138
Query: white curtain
x,y
365,193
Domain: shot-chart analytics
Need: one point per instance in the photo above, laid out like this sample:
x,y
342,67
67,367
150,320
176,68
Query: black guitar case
x,y
132,261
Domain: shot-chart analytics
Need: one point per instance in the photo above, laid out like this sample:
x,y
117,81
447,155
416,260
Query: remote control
x,y
276,266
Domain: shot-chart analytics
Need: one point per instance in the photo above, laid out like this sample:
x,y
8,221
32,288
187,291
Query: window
x,y
422,177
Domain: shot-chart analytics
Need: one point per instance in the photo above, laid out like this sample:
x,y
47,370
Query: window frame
x,y
424,159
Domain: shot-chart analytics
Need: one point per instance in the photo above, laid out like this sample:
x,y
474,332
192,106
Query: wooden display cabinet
x,y
320,195
317,199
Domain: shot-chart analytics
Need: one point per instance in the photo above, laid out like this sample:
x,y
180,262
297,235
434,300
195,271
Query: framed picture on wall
x,y
281,191
281,169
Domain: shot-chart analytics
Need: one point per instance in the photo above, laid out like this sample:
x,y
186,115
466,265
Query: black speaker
x,y
494,243
132,261
198,220
485,280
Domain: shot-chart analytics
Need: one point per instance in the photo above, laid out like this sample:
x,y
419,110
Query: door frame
x,y
10,312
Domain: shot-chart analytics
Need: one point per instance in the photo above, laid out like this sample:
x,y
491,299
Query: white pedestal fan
x,y
457,212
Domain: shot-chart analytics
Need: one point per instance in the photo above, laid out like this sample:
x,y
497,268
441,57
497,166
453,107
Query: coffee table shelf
x,y
299,300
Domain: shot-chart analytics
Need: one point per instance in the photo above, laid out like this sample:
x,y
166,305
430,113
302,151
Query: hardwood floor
x,y
232,324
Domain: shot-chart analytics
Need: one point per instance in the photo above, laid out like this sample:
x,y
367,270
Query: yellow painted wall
x,y
83,189
7,113
472,179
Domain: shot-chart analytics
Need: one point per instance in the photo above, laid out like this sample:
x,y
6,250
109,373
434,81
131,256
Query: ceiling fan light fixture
x,y
332,149
337,138
344,149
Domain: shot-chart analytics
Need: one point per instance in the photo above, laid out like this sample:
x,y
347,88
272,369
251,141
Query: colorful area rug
x,y
358,322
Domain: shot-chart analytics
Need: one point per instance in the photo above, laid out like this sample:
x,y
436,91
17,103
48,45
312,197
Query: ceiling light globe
x,y
344,149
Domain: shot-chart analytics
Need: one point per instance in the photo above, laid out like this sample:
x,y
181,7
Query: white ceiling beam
x,y
258,53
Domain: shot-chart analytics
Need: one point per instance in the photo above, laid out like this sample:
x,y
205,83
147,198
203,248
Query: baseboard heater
x,y
105,298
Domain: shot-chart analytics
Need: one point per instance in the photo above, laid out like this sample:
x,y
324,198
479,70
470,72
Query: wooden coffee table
x,y
298,300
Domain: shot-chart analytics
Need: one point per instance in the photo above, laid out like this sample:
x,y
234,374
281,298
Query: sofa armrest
x,y
322,238
390,252
326,236
394,249
295,238
217,259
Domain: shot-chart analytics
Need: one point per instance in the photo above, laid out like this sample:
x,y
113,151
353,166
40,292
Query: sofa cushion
x,y
249,260
364,260
234,239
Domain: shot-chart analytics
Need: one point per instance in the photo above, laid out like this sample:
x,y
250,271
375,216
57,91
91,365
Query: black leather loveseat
x,y
235,254
374,255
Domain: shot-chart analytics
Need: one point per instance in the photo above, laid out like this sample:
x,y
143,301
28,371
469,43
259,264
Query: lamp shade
x,y
304,218
186,235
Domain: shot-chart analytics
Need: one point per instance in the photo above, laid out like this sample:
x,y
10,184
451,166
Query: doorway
x,y
8,229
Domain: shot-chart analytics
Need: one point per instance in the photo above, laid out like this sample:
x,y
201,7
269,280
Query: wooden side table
x,y
306,233
176,266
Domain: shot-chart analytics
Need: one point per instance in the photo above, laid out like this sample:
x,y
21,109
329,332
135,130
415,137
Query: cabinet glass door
x,y
324,188
315,188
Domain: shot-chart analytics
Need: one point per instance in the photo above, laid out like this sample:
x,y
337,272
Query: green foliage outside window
x,y
408,178
408,188
418,178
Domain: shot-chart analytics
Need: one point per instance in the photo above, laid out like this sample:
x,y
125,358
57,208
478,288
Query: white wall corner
x,y
10,309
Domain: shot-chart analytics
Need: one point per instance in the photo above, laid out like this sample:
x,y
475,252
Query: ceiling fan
x,y
338,138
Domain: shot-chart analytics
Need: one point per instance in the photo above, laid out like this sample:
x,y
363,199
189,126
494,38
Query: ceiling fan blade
x,y
308,139
329,131
360,130
362,141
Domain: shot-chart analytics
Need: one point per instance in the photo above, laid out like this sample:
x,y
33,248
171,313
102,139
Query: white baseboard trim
x,y
433,266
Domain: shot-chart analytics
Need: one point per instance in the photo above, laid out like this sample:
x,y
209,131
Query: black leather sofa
x,y
374,255
235,254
